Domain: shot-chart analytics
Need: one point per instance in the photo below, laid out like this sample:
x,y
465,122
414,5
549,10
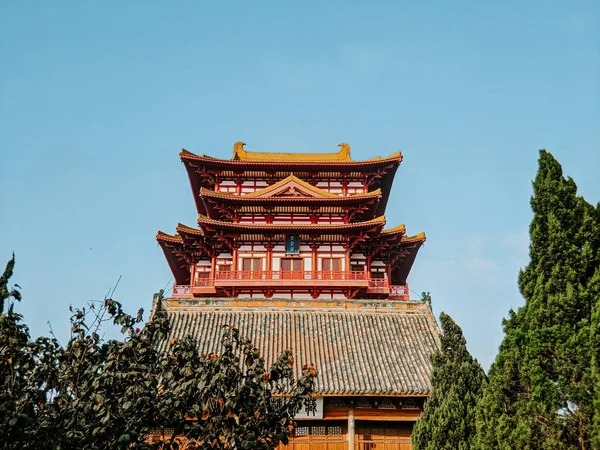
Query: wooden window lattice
x,y
318,431
334,431
301,431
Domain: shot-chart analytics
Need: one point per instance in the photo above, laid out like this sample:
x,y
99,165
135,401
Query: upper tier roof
x,y
204,171
254,159
240,154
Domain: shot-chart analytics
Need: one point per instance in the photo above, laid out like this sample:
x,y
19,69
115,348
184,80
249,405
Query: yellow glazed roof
x,y
160,236
242,155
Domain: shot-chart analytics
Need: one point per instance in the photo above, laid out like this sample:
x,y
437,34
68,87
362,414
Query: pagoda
x,y
290,226
293,250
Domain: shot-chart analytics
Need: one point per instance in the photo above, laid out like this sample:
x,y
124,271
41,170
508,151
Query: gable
x,y
291,187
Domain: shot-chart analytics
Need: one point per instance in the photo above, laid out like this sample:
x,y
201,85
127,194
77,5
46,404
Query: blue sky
x,y
97,99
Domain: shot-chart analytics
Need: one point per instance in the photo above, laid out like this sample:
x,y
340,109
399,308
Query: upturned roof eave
x,y
378,222
186,155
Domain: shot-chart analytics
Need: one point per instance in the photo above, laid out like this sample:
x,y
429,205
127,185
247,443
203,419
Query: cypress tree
x,y
448,419
541,386
595,346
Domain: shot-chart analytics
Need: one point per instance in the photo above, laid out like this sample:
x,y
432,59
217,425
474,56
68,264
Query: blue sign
x,y
292,243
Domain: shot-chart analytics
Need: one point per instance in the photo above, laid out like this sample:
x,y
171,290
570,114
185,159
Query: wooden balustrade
x,y
182,290
302,278
282,275
399,292
203,282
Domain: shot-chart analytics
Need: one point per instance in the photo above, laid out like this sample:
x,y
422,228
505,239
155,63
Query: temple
x,y
291,226
293,249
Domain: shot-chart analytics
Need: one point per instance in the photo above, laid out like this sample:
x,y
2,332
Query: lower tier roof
x,y
360,347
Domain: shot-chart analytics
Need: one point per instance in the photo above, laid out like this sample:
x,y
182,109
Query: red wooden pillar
x,y
213,267
314,247
234,255
347,263
269,247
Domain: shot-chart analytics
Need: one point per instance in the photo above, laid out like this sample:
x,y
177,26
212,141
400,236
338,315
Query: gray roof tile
x,y
359,350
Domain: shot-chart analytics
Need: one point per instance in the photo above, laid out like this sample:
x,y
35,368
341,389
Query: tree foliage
x,y
117,394
448,419
541,386
595,348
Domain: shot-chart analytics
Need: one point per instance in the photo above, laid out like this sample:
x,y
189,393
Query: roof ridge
x,y
185,154
240,154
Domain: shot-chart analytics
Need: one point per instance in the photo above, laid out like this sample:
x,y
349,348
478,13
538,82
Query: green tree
x,y
117,394
541,388
595,347
448,419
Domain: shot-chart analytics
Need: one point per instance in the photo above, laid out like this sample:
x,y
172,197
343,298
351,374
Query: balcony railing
x,y
182,290
378,286
283,275
203,282
301,278
399,292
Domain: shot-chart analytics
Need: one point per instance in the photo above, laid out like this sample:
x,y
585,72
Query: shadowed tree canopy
x,y
117,394
541,386
448,420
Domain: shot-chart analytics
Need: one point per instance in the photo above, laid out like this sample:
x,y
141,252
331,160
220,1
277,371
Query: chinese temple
x,y
293,250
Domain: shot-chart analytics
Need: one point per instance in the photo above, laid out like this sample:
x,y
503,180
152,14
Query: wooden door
x,y
331,268
251,268
291,268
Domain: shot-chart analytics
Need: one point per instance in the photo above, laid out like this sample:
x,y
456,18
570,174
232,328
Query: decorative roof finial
x,y
238,150
344,150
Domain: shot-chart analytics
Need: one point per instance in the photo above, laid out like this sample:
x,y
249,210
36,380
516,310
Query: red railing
x,y
399,292
278,275
181,290
375,285
378,285
203,282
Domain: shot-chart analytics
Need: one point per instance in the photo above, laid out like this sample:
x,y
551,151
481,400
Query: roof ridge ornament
x,y
344,151
240,154
238,151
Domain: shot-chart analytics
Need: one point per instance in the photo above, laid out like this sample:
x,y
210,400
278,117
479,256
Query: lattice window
x,y
301,431
334,431
318,431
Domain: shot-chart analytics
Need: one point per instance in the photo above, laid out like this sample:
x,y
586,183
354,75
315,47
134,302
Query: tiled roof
x,y
359,349
284,159
378,222
240,154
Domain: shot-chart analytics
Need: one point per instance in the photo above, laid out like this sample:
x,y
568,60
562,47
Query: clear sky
x,y
97,99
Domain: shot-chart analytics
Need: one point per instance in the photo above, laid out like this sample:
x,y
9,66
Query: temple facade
x,y
293,250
